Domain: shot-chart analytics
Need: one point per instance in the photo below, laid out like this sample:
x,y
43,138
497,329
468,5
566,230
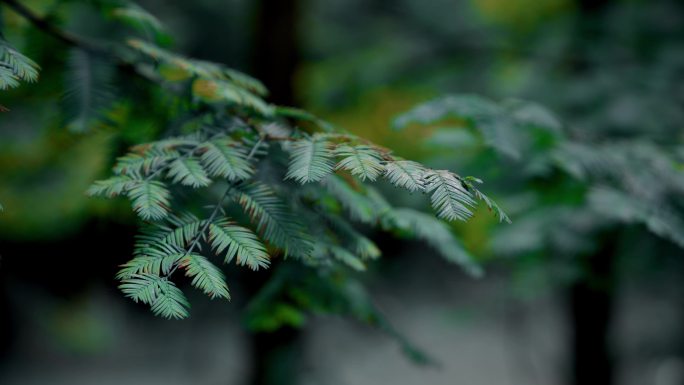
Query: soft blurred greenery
x,y
610,73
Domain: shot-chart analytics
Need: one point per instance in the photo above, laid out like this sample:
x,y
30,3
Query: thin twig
x,y
45,26
198,237
75,41
210,220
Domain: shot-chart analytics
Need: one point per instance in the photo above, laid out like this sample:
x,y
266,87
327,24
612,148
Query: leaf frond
x,y
205,276
406,174
22,67
450,198
226,158
311,160
362,161
150,199
238,243
165,299
273,220
188,171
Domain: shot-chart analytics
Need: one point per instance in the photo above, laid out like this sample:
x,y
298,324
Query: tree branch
x,y
47,27
72,40
210,220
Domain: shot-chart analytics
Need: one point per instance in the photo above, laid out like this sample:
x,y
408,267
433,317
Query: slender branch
x,y
198,237
255,148
214,213
74,41
47,27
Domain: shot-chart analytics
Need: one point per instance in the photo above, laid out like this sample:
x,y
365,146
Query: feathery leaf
x,y
449,196
162,295
362,161
225,158
150,199
406,174
497,125
188,171
7,78
238,241
310,160
221,91
22,67
111,187
205,276
144,164
170,301
273,219
88,90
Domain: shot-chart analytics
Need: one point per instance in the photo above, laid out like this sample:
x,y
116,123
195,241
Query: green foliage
x,y
436,234
660,219
14,66
240,242
88,90
136,16
150,199
189,172
354,240
503,126
449,195
618,182
218,157
273,219
311,160
137,164
227,159
362,161
357,204
406,174
164,298
346,257
205,276
8,79
217,185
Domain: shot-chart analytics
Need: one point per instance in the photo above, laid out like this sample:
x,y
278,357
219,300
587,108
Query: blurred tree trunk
x,y
276,48
588,27
276,355
591,311
592,296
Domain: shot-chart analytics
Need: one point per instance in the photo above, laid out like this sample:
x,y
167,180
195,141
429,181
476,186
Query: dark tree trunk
x,y
276,49
276,355
591,297
589,25
591,309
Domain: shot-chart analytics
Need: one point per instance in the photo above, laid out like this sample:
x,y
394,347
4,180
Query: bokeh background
x,y
608,68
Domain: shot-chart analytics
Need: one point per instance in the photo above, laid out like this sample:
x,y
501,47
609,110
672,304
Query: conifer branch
x,y
214,213
49,28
